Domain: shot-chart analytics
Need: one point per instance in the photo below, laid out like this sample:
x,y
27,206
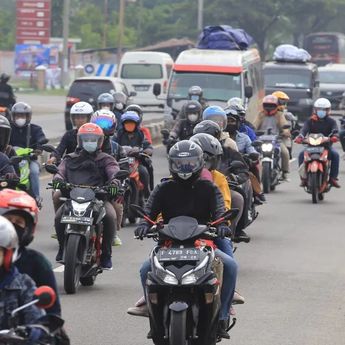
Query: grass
x,y
24,86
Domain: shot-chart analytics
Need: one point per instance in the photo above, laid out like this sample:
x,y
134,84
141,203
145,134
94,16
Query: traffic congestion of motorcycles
x,y
224,156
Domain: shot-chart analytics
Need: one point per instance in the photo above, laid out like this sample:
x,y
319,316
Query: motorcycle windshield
x,y
82,195
268,138
182,228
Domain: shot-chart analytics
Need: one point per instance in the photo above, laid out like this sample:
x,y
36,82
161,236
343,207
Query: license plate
x,y
179,254
314,149
77,220
142,88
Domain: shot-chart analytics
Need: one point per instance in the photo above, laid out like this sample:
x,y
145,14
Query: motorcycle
x,y
167,140
50,325
183,289
316,165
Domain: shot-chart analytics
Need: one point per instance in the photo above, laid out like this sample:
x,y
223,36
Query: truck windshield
x,y
216,86
288,78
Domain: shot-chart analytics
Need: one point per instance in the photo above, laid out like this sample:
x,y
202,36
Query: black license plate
x,y
179,254
77,220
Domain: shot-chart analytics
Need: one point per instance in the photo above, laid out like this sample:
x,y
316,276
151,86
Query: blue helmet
x,y
215,114
130,116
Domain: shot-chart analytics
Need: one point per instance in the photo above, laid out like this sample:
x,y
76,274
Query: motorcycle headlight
x,y
80,209
315,142
192,276
267,147
167,276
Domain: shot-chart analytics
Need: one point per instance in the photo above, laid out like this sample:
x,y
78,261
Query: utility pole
x,y
105,24
121,30
200,14
64,71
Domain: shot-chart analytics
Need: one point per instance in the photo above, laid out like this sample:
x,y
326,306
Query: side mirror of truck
x,y
248,91
157,89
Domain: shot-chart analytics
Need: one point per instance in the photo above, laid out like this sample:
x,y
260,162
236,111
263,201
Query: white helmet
x,y
322,107
81,108
234,101
9,242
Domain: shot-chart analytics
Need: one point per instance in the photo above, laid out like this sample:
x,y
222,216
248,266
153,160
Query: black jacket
x,y
5,168
67,144
137,138
27,136
7,98
324,126
183,129
201,200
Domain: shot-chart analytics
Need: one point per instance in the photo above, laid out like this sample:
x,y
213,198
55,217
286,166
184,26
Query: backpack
x,y
290,53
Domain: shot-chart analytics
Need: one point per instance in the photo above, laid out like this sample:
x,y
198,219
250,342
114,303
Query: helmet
x,y
270,105
9,242
130,120
81,109
322,107
193,111
120,100
4,77
208,127
216,114
5,133
90,137
233,120
235,101
21,109
136,108
105,119
211,147
105,98
283,99
22,204
185,160
195,93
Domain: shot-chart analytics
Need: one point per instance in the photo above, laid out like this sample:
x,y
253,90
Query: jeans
x,y
333,157
229,276
35,178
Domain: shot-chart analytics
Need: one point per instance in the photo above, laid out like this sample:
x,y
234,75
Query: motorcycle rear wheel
x,y
73,264
177,328
266,177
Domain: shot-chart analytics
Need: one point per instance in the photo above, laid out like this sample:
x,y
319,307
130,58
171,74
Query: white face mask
x,y
20,122
193,117
90,146
119,106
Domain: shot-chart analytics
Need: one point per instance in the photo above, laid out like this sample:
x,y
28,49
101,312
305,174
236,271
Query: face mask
x,y
20,122
193,117
106,107
90,146
321,113
231,128
129,126
119,106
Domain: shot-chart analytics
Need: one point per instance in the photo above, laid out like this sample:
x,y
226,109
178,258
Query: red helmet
x,y
270,104
20,203
90,137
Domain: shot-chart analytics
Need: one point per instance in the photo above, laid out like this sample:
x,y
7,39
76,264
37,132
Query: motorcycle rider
x,y
272,117
7,97
137,108
26,134
131,135
5,134
105,101
321,122
120,102
22,211
89,166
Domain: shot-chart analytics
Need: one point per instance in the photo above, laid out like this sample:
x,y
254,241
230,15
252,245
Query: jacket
x,y
244,143
7,98
314,125
4,168
201,200
17,289
226,141
221,182
263,122
67,144
183,129
147,133
137,138
27,136
249,131
39,269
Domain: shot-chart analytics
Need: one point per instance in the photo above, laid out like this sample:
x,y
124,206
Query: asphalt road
x,y
292,275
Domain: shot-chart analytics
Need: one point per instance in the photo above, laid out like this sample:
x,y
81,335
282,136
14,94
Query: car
x,y
332,86
87,89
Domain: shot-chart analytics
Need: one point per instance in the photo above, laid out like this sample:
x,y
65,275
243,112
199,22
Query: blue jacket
x,y
249,131
17,289
27,136
244,143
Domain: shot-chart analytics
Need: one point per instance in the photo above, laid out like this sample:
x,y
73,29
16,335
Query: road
x,y
292,273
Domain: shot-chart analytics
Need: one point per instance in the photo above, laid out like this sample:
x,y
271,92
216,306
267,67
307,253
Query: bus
x,y
325,47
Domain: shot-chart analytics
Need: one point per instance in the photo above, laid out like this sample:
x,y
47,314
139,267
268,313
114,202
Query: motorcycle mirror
x,y
139,211
46,296
14,160
259,133
48,148
286,126
51,168
122,174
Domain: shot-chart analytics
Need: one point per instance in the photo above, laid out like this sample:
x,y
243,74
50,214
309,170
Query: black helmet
x,y
120,100
211,147
136,108
4,77
193,110
186,160
195,93
5,133
209,127
234,120
21,108
105,98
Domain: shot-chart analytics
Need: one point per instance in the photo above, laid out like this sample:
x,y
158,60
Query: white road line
x,y
59,269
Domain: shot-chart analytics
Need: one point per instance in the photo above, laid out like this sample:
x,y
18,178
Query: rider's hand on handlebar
x,y
142,230
51,160
223,231
334,139
299,140
57,183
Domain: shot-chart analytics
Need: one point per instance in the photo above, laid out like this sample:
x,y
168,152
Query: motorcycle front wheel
x,y
177,329
314,187
266,177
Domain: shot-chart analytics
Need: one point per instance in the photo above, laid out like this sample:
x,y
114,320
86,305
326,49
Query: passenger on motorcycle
x,y
188,195
16,288
26,134
22,211
5,135
120,103
321,122
7,97
131,135
137,108
88,165
273,117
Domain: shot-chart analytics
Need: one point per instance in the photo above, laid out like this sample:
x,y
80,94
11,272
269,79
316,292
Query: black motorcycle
x,y
183,290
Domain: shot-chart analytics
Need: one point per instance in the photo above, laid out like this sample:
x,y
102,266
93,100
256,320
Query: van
x,y
222,74
299,80
141,70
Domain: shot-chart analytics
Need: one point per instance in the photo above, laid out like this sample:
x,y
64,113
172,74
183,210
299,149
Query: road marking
x,y
59,269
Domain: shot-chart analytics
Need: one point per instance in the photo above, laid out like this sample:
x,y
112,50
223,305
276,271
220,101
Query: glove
x,y
223,231
35,336
299,140
142,230
334,139
134,151
57,183
113,187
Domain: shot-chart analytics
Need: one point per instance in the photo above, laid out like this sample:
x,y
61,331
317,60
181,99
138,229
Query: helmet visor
x,y
269,106
185,165
105,122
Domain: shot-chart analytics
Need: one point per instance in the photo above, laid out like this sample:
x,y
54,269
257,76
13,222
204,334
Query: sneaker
x,y
257,200
241,236
59,255
106,263
54,235
117,241
221,331
334,182
238,299
139,311
262,197
140,302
